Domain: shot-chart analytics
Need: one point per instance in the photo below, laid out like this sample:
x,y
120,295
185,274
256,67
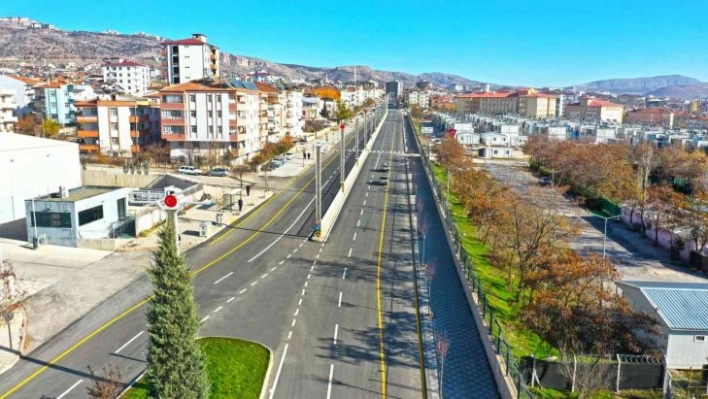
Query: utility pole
x,y
342,157
318,182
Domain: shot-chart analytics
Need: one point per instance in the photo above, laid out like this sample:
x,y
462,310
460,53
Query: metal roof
x,y
682,306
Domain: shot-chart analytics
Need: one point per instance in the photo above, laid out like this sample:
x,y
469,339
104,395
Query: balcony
x,y
86,118
173,136
172,106
214,57
136,149
173,122
85,134
88,148
139,118
139,133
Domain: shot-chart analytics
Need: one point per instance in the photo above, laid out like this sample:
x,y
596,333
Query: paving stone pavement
x,y
467,373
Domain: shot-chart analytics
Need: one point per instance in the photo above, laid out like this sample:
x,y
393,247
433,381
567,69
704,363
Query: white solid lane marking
x,y
223,278
345,274
339,305
277,374
70,388
329,386
297,312
129,342
358,222
254,283
354,239
336,330
350,253
273,269
299,302
265,275
285,232
303,292
293,324
242,291
204,319
218,309
231,299
290,334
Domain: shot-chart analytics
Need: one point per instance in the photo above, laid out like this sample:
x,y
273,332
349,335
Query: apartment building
x,y
190,59
23,89
7,110
651,116
131,76
488,103
419,98
55,100
119,126
591,109
394,89
275,120
537,105
210,117
291,100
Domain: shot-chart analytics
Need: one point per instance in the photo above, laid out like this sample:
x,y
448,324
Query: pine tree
x,y
175,362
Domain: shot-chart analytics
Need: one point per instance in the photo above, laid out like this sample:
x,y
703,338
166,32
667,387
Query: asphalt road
x,y
234,265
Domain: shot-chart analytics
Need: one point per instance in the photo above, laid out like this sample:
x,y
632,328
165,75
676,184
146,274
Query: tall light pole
x,y
604,237
341,157
366,137
318,182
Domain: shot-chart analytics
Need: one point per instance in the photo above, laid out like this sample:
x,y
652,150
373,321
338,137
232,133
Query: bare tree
x,y
442,344
430,270
10,296
106,386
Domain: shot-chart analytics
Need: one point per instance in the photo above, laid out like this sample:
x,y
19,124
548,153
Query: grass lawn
x,y
236,369
523,341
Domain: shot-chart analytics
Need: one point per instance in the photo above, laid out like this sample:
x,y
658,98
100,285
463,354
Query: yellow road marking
x,y
143,302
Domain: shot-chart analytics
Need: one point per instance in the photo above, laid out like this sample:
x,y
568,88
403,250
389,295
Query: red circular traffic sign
x,y
341,126
170,201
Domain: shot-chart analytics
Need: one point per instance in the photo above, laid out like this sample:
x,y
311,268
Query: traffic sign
x,y
170,202
342,126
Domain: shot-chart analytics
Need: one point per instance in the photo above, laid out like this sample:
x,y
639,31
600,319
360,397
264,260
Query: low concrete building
x,y
681,309
70,218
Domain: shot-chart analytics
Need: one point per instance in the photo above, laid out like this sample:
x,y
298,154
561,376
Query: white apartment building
x,y
291,101
419,98
208,118
23,89
131,76
7,110
190,59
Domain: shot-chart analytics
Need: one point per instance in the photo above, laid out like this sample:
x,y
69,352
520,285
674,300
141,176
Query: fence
x,y
510,367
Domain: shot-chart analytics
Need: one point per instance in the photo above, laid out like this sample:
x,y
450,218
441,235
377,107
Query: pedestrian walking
x,y
248,190
308,155
240,204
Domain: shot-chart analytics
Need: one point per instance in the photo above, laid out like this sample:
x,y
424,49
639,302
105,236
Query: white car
x,y
189,170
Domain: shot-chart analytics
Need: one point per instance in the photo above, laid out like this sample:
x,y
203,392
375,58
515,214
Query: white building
x,y
132,76
7,110
191,59
681,309
419,98
33,166
74,217
23,89
291,100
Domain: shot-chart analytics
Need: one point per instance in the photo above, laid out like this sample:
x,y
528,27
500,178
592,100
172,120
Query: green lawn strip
x,y
523,341
236,369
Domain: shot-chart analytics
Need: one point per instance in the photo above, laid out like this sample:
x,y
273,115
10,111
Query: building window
x,y
220,130
51,219
210,129
192,98
171,114
194,129
193,114
172,99
218,114
114,127
114,140
699,338
114,112
90,215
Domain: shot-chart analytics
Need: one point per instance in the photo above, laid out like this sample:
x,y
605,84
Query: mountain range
x,y
24,40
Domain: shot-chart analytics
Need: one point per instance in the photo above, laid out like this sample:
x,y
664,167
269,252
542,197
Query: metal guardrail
x,y
495,330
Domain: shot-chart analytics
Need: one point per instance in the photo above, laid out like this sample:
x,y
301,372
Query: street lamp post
x,y
318,181
341,157
604,237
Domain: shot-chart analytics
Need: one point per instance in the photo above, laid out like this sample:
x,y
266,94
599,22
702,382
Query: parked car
x,y
277,162
383,180
384,167
189,170
545,181
219,171
289,155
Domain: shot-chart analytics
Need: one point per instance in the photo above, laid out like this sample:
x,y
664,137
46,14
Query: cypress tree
x,y
175,362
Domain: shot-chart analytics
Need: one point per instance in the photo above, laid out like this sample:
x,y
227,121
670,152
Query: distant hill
x,y
685,92
639,85
19,42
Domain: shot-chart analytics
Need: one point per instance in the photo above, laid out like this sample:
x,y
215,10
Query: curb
x,y
23,340
271,355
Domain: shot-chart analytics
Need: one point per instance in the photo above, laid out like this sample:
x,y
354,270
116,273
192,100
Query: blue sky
x,y
520,42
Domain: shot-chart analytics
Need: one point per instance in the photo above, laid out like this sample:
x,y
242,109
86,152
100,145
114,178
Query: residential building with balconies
x,y
208,117
591,109
52,101
291,101
190,59
119,126
419,98
274,113
131,76
23,89
8,105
